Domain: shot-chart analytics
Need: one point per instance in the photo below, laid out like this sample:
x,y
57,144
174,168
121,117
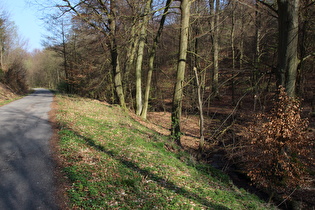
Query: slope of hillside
x,y
6,95
111,161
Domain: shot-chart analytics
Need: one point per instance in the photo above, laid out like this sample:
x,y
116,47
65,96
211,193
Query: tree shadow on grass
x,y
159,180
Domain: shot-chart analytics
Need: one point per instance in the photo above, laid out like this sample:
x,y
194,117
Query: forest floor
x,y
223,125
112,161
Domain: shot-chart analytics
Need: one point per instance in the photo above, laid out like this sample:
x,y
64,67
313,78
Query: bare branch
x,y
310,4
308,56
84,18
268,5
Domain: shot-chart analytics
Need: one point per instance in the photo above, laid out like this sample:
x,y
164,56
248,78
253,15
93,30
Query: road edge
x,y
59,176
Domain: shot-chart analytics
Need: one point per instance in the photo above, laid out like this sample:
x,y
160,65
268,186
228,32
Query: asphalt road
x,y
26,165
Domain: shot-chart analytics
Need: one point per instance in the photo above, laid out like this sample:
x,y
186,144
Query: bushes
x,y
15,78
276,150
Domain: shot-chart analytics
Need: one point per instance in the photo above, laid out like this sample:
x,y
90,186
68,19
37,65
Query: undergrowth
x,y
277,152
113,162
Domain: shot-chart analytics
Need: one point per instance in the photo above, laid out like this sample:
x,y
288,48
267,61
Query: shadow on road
x,y
26,166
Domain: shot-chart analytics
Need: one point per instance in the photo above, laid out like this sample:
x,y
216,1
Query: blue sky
x,y
24,16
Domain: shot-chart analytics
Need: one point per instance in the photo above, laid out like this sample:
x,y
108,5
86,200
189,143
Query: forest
x,y
241,70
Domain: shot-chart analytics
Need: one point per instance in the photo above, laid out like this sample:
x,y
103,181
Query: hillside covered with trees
x,y
13,71
236,75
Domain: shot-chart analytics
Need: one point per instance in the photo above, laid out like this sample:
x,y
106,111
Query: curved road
x,y
26,165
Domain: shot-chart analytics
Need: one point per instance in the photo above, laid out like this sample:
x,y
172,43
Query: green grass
x,y
4,102
113,162
16,97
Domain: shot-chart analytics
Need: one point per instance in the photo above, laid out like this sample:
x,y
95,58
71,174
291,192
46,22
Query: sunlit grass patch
x,y
113,162
7,101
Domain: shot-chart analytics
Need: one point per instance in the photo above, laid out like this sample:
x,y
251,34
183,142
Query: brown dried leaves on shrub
x,y
276,150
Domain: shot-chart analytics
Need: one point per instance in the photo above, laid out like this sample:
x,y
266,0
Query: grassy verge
x,y
113,162
7,101
10,97
4,102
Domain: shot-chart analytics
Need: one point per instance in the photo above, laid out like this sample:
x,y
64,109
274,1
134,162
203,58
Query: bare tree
x,y
201,118
44,69
181,65
152,59
143,35
103,17
214,12
12,56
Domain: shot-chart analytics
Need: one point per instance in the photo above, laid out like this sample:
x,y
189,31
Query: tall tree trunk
x,y
131,53
114,55
233,51
305,33
216,50
152,58
181,65
212,26
117,74
257,54
288,44
65,62
143,36
241,46
257,35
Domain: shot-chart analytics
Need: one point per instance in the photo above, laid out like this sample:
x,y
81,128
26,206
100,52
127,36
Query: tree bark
x,y
181,65
65,61
241,46
143,35
201,119
288,44
257,54
216,50
131,54
233,51
257,35
114,54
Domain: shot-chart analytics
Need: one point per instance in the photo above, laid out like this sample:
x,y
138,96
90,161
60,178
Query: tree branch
x,y
268,5
83,17
310,4
308,56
